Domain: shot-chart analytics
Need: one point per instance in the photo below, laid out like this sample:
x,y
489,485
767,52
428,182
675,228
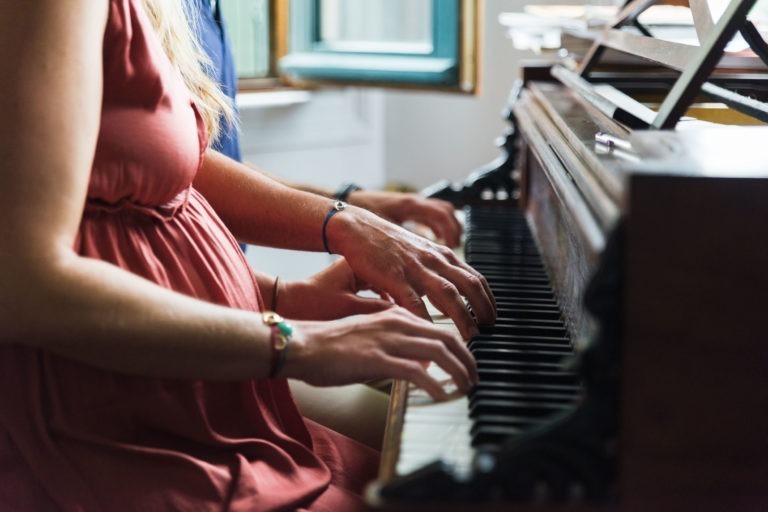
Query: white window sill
x,y
270,99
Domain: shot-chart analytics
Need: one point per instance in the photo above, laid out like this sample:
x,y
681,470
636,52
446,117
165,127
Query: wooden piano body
x,y
694,361
685,213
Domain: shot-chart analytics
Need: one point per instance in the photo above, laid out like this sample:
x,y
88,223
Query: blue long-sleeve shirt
x,y
212,34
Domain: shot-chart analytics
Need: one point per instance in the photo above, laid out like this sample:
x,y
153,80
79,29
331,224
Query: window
x,y
257,30
429,43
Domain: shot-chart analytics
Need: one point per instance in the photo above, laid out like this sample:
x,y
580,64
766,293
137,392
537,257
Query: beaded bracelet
x,y
280,339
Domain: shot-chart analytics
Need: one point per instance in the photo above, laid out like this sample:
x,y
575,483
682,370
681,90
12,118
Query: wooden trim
x,y
278,20
472,14
258,84
390,450
278,46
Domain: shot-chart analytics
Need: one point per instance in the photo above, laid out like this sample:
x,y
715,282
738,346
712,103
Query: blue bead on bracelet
x,y
337,207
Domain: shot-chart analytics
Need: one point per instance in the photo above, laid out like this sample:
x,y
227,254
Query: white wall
x,y
431,136
374,137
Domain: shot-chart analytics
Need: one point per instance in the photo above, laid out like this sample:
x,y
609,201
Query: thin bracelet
x,y
336,208
280,338
275,293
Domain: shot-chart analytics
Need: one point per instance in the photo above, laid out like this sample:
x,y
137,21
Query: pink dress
x,y
77,438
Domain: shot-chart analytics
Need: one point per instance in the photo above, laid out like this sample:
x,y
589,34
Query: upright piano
x,y
624,231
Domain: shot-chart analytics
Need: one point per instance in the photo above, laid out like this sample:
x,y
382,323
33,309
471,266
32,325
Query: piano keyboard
x,y
520,359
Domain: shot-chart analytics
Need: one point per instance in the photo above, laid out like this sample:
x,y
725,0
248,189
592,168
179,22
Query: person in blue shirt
x,y
212,34
398,207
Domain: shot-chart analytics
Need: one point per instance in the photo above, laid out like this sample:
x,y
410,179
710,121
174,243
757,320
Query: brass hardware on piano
x,y
624,231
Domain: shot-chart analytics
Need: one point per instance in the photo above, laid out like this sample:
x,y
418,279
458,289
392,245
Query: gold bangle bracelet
x,y
280,338
275,293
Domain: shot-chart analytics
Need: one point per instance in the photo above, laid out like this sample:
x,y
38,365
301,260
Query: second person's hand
x,y
408,267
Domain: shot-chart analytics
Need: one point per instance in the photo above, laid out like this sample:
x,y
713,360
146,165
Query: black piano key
x,y
510,267
509,306
512,276
512,339
485,398
542,394
523,366
503,254
500,277
493,247
488,349
521,360
532,341
505,420
543,290
503,295
496,434
525,330
519,353
507,302
491,253
526,387
507,314
522,321
517,281
510,407
530,262
526,376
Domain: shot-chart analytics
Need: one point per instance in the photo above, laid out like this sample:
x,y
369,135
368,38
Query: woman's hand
x,y
399,207
392,343
407,267
329,294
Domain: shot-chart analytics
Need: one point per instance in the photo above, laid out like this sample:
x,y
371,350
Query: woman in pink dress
x,y
137,371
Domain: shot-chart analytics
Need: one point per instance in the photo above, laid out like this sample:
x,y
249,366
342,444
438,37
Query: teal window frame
x,y
309,59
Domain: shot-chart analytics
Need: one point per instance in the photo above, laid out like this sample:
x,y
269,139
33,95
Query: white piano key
x,y
435,430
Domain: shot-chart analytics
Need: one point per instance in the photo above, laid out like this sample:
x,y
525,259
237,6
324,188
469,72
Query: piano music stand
x,y
696,64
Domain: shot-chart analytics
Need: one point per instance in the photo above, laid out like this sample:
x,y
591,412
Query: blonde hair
x,y
172,24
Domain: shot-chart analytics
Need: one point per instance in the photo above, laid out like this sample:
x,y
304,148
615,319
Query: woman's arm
x,y
399,207
388,257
